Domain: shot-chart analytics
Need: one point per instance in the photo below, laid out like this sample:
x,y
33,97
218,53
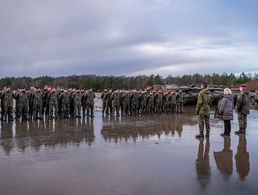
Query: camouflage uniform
x,y
166,102
158,102
126,101
133,103
243,109
150,103
37,105
104,103
203,110
115,97
90,103
65,101
22,105
77,103
53,104
143,102
108,102
7,101
31,93
71,102
45,107
179,102
59,92
173,102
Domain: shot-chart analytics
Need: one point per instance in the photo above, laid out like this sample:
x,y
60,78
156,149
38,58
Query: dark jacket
x,y
226,108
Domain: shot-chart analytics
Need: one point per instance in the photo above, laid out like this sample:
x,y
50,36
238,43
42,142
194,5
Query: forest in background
x,y
97,82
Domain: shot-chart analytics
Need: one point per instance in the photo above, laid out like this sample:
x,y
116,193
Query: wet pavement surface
x,y
127,155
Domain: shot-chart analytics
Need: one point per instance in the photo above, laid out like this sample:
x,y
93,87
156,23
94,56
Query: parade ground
x,y
152,154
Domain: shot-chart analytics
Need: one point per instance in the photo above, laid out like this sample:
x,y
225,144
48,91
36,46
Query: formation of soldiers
x,y
133,102
48,103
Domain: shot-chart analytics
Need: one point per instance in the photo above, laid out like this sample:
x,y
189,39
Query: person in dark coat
x,y
226,111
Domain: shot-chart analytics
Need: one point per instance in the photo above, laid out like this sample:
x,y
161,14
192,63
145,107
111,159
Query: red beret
x,y
243,85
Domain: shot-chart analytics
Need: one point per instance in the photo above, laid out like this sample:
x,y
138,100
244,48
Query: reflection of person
x,y
6,137
226,111
203,163
179,125
242,108
203,110
224,159
242,158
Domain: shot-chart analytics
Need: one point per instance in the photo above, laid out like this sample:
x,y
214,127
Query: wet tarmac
x,y
130,155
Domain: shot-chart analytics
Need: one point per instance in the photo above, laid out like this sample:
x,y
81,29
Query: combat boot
x,y
199,135
241,131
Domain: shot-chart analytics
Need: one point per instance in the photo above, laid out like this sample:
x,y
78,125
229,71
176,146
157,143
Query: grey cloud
x,y
60,37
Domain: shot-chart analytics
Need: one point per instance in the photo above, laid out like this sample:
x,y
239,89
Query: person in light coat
x,y
226,108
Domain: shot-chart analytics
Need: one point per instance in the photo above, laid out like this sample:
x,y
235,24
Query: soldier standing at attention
x,y
31,94
103,97
7,102
65,101
203,110
242,108
53,103
179,101
37,105
90,103
115,97
77,97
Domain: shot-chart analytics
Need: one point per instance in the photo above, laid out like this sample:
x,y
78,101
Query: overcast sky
x,y
127,37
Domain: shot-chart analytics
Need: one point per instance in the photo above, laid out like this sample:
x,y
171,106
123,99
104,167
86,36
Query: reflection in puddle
x,y
156,154
46,133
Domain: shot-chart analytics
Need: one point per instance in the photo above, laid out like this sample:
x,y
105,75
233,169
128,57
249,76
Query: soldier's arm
x,y
239,102
199,103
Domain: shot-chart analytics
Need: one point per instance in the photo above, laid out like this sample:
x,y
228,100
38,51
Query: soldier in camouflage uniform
x,y
143,102
31,93
166,102
22,104
7,103
104,103
108,102
59,92
77,97
158,102
71,91
134,103
90,103
173,102
45,107
115,97
179,101
65,101
126,101
2,106
121,100
53,104
150,102
37,104
242,108
204,102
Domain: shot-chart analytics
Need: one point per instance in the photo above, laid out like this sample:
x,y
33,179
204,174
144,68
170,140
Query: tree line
x,y
97,82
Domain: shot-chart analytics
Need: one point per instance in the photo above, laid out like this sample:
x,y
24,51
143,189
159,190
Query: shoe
x,y
241,131
199,136
207,134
